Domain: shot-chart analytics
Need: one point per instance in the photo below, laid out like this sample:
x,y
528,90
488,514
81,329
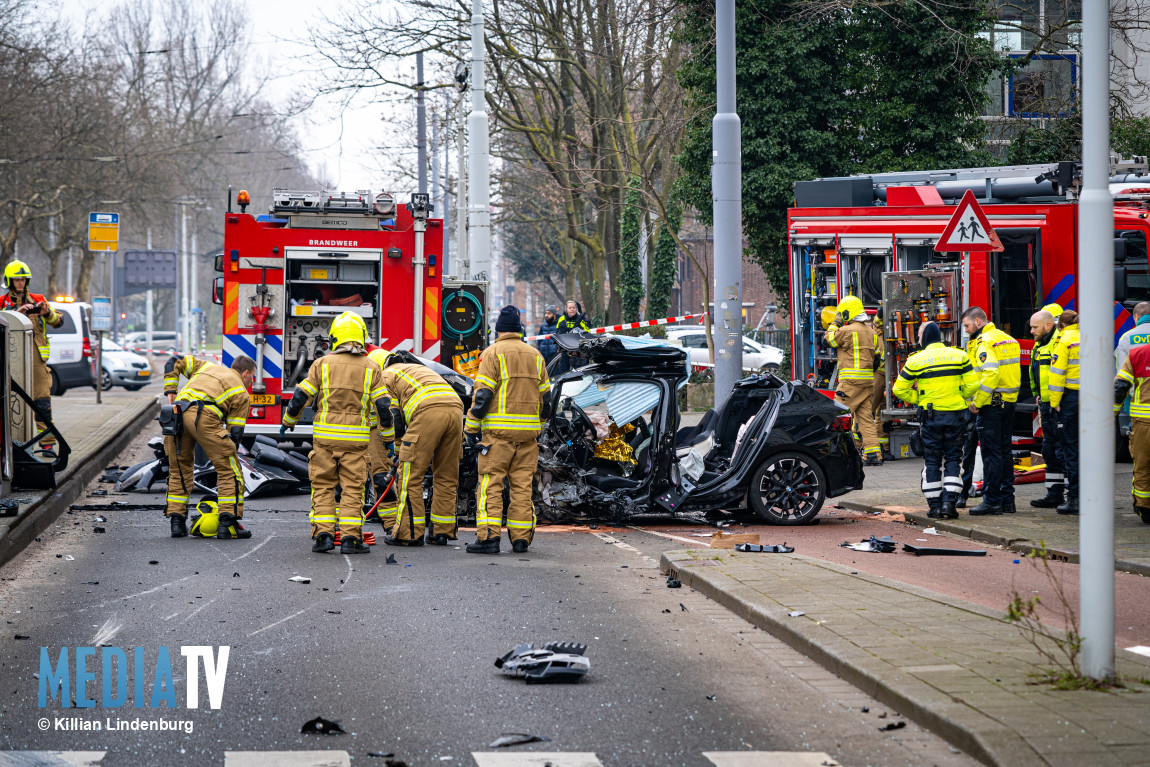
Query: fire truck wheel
x,y
788,488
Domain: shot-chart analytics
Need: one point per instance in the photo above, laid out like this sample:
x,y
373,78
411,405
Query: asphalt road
x,y
402,655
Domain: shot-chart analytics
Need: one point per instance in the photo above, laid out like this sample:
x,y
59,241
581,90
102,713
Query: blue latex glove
x,y
284,429
390,449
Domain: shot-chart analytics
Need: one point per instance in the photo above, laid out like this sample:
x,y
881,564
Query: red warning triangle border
x,y
944,243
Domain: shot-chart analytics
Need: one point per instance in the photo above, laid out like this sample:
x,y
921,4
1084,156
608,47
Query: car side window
x,y
694,341
748,349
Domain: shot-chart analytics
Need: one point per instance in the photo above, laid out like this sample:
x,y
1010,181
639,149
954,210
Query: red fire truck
x,y
287,275
874,237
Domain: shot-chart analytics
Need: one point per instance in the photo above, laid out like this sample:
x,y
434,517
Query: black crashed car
x,y
612,446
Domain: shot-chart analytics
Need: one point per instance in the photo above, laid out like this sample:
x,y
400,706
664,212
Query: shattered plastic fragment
x,y
299,579
98,529
796,613
883,545
930,531
321,726
672,583
764,549
892,726
550,662
516,739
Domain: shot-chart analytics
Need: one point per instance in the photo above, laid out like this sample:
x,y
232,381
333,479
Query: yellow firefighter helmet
x,y
207,524
849,308
827,316
1054,309
15,271
348,326
381,357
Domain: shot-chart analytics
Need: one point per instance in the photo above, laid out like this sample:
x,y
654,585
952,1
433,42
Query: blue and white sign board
x,y
102,313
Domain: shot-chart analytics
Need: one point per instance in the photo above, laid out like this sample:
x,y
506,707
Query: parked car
x,y
756,355
612,447
121,367
70,357
163,342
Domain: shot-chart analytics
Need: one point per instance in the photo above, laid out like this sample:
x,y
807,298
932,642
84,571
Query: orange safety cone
x,y
369,539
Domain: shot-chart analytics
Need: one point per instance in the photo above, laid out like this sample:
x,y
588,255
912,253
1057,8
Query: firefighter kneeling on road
x,y
36,308
939,379
344,383
852,333
433,414
508,407
1135,374
210,411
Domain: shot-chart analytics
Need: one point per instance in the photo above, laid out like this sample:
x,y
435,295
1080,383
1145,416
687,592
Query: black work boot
x,y
519,547
439,539
1143,514
948,511
490,546
961,502
391,540
1070,507
230,527
323,542
352,546
873,459
985,508
1008,507
180,527
935,513
1052,500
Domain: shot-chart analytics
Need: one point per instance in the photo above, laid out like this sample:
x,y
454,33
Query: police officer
x,y
572,321
1064,400
1042,327
213,408
1135,375
938,379
36,308
505,419
852,334
997,358
433,413
342,383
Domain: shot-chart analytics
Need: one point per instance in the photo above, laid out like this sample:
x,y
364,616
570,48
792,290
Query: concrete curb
x,y
1021,545
964,727
41,513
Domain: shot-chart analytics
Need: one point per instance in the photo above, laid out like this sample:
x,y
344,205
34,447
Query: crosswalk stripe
x,y
287,759
51,758
536,759
769,759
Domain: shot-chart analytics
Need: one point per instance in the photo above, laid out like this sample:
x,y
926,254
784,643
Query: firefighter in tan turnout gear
x,y
433,414
508,407
343,383
381,453
36,308
212,410
853,335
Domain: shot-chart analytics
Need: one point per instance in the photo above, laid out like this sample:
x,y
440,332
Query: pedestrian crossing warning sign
x,y
968,229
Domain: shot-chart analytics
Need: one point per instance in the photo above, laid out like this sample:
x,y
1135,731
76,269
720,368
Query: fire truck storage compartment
x,y
816,259
909,299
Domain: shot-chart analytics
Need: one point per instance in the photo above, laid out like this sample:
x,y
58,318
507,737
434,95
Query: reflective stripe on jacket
x,y
40,323
516,375
344,385
998,359
1136,372
939,376
1040,356
859,346
220,389
1064,365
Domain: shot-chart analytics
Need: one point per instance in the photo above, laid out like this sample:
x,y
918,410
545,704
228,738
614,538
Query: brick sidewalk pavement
x,y
894,487
953,667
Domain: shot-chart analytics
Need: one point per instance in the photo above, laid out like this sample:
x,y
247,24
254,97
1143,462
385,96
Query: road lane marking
x,y
281,620
197,611
260,545
769,759
694,542
287,758
536,759
350,570
51,758
625,547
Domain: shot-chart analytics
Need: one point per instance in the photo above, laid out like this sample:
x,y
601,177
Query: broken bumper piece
x,y
550,662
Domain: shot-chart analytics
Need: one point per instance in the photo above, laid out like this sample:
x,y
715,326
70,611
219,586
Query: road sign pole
x,y
99,365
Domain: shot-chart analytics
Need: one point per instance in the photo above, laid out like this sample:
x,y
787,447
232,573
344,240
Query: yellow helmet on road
x,y
827,316
849,308
207,524
348,326
15,271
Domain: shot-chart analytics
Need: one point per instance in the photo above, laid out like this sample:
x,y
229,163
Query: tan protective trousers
x,y
878,402
433,438
343,464
517,461
1140,450
857,395
380,464
212,436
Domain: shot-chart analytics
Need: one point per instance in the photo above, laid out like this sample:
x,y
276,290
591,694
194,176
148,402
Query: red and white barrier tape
x,y
629,325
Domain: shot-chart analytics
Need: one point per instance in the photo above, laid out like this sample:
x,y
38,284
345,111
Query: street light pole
x,y
479,200
185,278
1096,364
726,314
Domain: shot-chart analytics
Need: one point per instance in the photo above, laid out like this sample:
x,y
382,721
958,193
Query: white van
x,y
70,358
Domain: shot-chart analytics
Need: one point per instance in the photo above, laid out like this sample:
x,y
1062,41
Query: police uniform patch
x,y
982,357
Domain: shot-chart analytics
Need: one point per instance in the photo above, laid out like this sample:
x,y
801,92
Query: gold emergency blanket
x,y
614,446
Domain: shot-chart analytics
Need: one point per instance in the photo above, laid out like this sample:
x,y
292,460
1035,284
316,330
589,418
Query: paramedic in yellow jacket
x,y
504,422
344,384
859,349
996,358
1064,399
433,414
213,411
